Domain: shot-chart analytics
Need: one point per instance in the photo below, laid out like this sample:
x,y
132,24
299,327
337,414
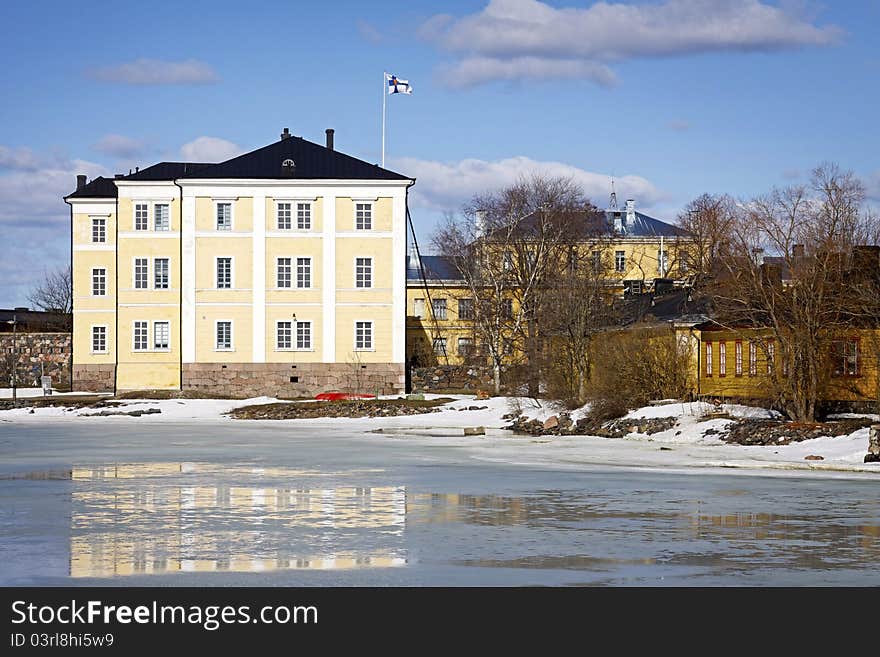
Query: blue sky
x,y
672,97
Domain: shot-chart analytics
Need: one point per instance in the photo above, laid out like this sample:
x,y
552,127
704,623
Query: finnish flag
x,y
396,85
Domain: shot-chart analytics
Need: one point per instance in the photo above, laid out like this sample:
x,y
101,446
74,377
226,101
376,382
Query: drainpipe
x,y
180,287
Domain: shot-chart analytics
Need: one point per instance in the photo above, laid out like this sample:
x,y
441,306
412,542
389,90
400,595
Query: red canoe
x,y
337,396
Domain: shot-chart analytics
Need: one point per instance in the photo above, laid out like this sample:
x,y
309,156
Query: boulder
x,y
814,457
551,422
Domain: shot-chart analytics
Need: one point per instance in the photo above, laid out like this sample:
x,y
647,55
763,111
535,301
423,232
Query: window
x,y
224,336
465,346
507,308
619,260
753,358
596,260
771,356
632,287
439,346
507,261
283,214
845,357
160,273
708,359
663,262
161,217
304,335
465,308
363,216
438,306
284,335
140,216
363,272
419,308
722,358
304,272
141,273
303,216
363,335
684,262
161,334
572,258
99,229
99,339
140,336
738,358
283,270
224,216
99,282
224,273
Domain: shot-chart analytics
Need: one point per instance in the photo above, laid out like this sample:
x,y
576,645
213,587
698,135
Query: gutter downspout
x,y
70,357
180,287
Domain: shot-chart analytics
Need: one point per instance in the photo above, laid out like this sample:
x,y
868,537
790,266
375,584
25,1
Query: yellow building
x,y
281,271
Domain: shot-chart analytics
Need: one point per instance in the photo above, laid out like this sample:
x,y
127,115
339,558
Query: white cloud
x,y
528,39
153,71
369,32
120,146
209,149
446,186
21,158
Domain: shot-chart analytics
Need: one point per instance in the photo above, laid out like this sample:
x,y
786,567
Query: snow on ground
x,y
684,446
26,393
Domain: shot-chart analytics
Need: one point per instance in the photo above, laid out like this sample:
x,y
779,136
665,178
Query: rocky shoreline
x,y
360,408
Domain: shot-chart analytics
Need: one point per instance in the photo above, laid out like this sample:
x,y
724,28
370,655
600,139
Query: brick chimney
x,y
285,134
329,132
80,181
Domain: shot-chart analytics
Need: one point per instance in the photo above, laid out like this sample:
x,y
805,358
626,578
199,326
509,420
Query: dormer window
x,y
288,168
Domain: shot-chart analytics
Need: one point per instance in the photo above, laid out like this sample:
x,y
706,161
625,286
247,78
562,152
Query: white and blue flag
x,y
396,85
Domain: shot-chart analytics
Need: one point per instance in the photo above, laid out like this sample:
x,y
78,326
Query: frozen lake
x,y
227,503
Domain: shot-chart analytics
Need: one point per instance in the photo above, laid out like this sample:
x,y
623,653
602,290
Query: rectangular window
x,y
284,335
465,308
304,335
708,359
596,260
161,333
722,358
224,336
619,260
224,216
283,269
303,216
363,216
161,217
684,262
140,216
160,273
419,308
439,346
845,357
465,346
572,258
99,229
438,306
99,282
283,215
141,273
304,272
140,336
99,339
738,358
363,335
224,273
507,308
771,356
753,358
662,262
363,272
507,261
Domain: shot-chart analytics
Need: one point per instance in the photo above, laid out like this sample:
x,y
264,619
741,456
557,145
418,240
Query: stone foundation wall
x,y
243,380
33,355
443,378
94,378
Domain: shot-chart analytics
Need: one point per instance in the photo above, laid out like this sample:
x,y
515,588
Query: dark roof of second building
x,y
436,268
100,187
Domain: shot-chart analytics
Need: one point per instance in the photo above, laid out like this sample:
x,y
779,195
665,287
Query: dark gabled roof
x,y
673,305
33,320
645,226
435,268
311,161
168,171
100,187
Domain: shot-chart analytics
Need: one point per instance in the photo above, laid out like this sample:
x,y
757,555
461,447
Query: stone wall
x,y
94,378
443,378
243,380
34,355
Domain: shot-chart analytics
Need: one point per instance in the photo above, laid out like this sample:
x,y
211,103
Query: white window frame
x,y
372,324
439,304
217,260
363,287
153,332
419,308
103,269
134,273
134,216
217,323
619,261
291,218
290,274
102,223
295,272
469,343
295,216
278,323
168,205
231,203
168,273
134,335
106,348
296,327
370,206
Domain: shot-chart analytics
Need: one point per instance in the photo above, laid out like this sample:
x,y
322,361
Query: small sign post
x,y
47,385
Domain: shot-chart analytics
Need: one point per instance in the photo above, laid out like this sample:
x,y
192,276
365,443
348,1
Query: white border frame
x,y
231,336
372,346
231,273
354,270
106,282
354,213
231,202
106,328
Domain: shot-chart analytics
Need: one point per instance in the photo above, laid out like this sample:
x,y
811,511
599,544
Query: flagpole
x,y
384,94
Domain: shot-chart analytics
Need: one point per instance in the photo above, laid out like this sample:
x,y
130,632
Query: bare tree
x,y
54,293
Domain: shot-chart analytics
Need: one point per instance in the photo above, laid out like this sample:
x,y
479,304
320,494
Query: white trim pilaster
x,y
398,277
328,279
258,313
188,280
